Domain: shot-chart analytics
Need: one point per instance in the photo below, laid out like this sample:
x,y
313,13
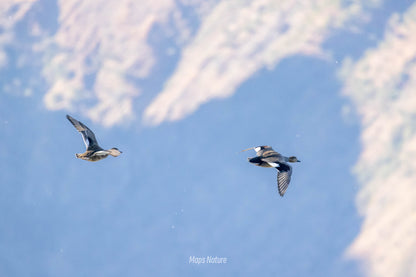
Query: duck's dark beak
x,y
298,161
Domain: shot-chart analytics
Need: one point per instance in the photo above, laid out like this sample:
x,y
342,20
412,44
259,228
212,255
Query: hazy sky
x,y
181,87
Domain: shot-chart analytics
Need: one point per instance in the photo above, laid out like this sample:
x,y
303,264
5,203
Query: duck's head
x,y
293,159
114,152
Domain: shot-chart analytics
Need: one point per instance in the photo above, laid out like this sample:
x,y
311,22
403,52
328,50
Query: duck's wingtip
x,y
247,149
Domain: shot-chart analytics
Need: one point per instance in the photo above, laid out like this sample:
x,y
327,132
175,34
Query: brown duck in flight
x,y
94,151
267,157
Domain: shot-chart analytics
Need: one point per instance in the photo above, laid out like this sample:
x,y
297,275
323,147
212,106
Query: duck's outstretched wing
x,y
284,173
262,151
87,135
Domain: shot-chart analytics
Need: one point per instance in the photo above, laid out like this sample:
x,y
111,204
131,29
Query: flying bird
x,y
267,157
94,152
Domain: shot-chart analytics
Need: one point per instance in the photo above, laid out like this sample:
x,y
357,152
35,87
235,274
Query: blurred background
x,y
181,86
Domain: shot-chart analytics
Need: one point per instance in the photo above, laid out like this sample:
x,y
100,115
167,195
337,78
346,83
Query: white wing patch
x,y
274,164
101,153
85,139
257,149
